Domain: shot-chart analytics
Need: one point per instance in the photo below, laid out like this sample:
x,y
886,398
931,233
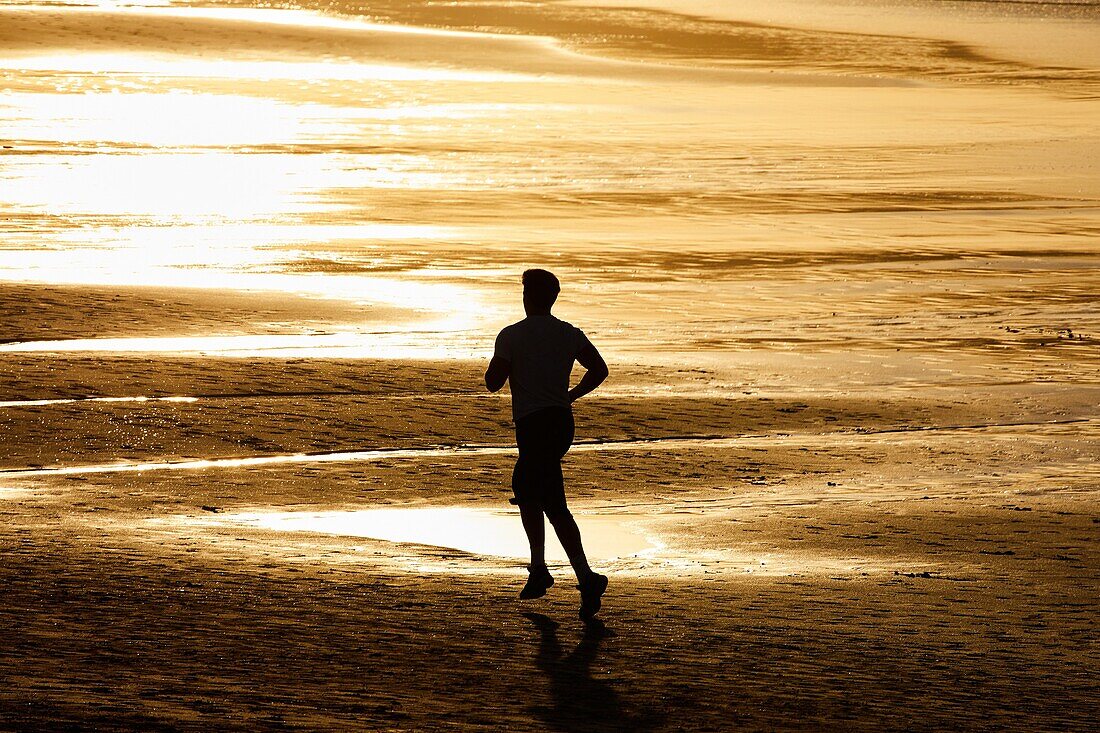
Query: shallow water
x,y
705,189
475,531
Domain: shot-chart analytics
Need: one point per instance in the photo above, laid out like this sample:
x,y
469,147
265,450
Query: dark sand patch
x,y
38,312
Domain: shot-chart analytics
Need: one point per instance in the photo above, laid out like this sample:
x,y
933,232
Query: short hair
x,y
540,287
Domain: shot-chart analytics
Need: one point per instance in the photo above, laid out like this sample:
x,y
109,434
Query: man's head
x,y
540,290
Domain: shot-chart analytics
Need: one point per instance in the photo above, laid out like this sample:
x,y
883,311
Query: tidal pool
x,y
477,531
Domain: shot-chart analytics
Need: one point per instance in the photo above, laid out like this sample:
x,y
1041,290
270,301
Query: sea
x,y
869,194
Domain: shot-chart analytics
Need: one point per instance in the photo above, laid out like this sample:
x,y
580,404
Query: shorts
x,y
543,438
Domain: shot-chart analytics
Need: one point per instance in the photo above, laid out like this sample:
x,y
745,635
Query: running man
x,y
536,356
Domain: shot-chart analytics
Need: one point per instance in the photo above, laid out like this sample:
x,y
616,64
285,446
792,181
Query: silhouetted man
x,y
536,356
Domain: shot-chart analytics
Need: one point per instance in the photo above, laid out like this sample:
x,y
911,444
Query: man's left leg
x,y
559,438
591,584
569,534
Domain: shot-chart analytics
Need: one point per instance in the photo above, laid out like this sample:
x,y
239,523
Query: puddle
x,y
626,544
477,531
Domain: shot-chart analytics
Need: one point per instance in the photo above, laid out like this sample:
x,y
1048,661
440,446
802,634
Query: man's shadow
x,y
580,702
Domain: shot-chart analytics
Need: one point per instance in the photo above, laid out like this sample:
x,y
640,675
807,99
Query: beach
x,y
840,258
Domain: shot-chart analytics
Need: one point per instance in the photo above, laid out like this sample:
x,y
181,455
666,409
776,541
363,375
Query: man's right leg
x,y
531,516
539,578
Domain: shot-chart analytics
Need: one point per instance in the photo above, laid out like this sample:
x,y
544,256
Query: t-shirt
x,y
542,350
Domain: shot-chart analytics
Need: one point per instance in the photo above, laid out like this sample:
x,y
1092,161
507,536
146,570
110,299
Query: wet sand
x,y
846,464
843,562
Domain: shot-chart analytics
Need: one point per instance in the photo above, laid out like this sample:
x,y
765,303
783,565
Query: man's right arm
x,y
591,360
500,366
497,373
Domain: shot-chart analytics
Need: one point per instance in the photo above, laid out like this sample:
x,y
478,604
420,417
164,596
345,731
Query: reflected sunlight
x,y
173,118
202,187
458,306
265,243
477,531
176,67
201,212
76,400
433,342
632,543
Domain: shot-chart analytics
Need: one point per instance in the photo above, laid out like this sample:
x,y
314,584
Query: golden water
x,y
705,191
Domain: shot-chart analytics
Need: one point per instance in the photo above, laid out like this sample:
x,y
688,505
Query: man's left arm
x,y
591,360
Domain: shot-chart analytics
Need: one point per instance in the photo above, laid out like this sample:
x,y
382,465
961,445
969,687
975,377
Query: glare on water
x,y
147,171
168,198
425,169
145,65
478,531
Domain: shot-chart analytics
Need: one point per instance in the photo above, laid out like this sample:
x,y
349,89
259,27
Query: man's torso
x,y
541,350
